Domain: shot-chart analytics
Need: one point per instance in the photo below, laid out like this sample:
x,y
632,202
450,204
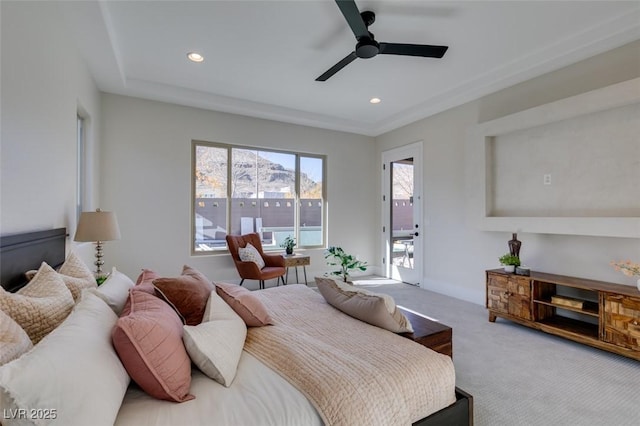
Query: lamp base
x,y
99,262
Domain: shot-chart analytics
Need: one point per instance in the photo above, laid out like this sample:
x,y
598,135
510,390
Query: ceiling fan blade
x,y
337,67
424,50
352,15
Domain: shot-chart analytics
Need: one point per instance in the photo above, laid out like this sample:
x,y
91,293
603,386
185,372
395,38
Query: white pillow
x,y
215,345
73,374
115,290
251,254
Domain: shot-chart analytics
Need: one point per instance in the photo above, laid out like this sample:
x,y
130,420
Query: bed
x,y
269,387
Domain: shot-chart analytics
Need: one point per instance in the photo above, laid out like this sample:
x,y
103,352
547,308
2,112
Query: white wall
x,y
44,83
456,255
146,180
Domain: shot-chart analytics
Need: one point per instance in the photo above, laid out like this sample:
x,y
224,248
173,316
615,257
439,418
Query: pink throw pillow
x,y
247,306
148,340
145,281
189,293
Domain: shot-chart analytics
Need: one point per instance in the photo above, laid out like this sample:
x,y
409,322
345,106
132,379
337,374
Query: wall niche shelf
x,y
508,157
608,319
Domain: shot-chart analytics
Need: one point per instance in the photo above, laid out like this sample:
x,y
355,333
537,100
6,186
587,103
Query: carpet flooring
x,y
519,376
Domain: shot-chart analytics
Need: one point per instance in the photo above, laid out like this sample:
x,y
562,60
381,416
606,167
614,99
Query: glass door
x,y
402,201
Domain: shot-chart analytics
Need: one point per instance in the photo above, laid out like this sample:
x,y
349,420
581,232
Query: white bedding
x,y
258,396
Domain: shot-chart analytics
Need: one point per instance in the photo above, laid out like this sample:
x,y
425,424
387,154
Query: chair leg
x,y
282,278
241,281
261,284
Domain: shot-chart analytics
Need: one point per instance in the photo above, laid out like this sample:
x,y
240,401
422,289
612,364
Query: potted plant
x,y
288,244
335,256
510,262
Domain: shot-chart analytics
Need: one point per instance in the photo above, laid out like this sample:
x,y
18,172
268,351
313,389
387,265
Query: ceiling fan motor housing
x,y
367,47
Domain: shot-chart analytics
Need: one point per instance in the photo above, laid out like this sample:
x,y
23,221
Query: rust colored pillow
x,y
247,305
189,293
149,343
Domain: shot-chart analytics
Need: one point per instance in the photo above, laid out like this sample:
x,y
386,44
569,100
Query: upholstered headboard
x,y
22,252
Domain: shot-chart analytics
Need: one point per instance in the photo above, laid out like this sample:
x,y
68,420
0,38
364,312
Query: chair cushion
x,y
251,254
373,308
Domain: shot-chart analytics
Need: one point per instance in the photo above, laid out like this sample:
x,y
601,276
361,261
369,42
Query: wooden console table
x,y
596,313
296,260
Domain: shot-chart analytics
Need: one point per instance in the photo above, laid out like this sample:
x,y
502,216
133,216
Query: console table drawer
x,y
622,321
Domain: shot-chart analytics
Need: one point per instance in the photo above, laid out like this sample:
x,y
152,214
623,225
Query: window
x,y
81,165
238,190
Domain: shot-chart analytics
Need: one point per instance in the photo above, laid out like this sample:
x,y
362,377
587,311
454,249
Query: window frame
x,y
81,163
230,147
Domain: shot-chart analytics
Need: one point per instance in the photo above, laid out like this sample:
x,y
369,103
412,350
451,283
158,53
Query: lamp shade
x,y
97,226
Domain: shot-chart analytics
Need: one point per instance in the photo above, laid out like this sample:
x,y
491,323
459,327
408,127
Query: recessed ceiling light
x,y
195,57
375,100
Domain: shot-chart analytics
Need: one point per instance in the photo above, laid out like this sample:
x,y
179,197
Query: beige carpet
x,y
520,376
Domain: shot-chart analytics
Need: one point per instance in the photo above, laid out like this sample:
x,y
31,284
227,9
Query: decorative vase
x,y
289,251
514,245
510,268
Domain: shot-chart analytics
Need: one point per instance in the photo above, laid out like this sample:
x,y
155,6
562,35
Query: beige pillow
x,y
13,339
251,254
41,305
364,305
215,345
76,275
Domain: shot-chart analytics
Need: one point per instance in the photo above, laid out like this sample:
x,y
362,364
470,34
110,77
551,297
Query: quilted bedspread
x,y
352,372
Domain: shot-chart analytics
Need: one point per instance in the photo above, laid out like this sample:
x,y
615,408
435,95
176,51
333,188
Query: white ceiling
x,y
262,57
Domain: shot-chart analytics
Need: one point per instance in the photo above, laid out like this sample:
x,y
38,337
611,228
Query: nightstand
x,y
295,260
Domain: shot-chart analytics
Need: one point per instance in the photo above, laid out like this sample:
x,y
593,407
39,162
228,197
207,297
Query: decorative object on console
x,y
510,262
514,245
288,244
98,226
336,256
628,268
523,270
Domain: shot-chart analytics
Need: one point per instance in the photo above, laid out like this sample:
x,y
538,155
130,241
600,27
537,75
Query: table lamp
x,y
97,227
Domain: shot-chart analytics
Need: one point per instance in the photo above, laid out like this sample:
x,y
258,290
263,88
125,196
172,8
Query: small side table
x,y
296,260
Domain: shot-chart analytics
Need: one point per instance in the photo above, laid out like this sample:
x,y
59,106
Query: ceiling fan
x,y
368,47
